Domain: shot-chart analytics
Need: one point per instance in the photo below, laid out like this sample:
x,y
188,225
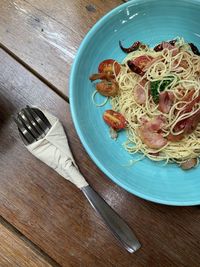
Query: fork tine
x,y
33,121
24,117
26,136
40,119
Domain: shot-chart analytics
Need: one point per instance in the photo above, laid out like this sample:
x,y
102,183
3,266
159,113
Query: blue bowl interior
x,y
151,22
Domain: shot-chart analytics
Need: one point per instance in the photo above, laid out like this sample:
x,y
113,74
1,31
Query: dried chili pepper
x,y
158,47
195,50
172,42
135,68
130,49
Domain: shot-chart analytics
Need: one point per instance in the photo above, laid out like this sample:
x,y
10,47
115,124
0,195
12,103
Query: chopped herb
x,y
158,86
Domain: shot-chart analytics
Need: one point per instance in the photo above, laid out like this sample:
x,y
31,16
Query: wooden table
x,y
46,221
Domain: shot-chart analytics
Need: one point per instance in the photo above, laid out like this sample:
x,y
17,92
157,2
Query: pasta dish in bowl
x,y
138,118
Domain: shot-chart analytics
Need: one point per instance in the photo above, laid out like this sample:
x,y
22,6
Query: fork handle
x,y
117,225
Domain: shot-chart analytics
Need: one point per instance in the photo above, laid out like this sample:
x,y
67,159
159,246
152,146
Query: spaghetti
x,y
159,96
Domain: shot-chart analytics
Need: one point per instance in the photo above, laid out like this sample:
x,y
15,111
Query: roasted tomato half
x,y
109,66
114,119
107,88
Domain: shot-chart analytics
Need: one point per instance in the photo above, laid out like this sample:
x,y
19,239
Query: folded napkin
x,y
54,150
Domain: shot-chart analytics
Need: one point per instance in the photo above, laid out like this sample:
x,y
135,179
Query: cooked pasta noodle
x,y
94,101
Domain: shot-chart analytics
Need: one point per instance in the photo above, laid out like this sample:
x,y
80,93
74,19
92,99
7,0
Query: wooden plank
x,y
58,29
56,217
36,200
14,251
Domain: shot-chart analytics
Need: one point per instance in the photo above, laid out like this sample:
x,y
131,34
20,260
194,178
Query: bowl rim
x,y
83,44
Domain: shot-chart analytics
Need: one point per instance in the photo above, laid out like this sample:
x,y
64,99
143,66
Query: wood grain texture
x,y
42,205
55,215
46,35
15,252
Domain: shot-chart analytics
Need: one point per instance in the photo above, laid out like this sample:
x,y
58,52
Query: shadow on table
x,y
8,128
7,109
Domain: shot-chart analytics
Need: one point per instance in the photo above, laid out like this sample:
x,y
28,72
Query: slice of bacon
x,y
149,135
188,96
192,123
190,105
190,163
185,97
152,62
166,100
175,138
139,92
188,125
139,95
167,45
151,139
155,124
183,64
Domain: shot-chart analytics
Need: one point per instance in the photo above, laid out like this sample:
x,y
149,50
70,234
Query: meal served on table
x,y
155,96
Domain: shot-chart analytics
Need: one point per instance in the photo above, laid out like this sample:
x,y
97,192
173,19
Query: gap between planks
x,y
35,73
29,243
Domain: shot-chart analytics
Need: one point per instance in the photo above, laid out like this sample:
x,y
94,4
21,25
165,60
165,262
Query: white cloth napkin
x,y
54,150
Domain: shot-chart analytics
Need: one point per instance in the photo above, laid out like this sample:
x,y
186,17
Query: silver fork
x,y
33,125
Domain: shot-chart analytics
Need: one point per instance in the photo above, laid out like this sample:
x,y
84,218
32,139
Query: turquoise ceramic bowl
x,y
150,21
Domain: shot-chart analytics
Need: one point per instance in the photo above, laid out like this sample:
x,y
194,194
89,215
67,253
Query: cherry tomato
x,y
107,66
107,88
114,119
142,61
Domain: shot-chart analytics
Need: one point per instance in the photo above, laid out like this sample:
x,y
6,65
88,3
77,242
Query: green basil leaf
x,y
158,86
